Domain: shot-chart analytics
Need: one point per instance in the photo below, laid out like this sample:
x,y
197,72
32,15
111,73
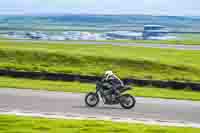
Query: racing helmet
x,y
108,74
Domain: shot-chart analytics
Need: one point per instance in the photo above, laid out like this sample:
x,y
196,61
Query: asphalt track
x,y
162,46
70,104
166,46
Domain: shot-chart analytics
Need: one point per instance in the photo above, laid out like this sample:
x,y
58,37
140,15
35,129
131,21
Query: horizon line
x,y
93,14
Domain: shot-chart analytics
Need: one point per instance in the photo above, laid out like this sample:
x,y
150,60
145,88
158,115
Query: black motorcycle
x,y
127,101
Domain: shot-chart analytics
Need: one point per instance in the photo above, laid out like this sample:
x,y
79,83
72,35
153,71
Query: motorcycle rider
x,y
112,82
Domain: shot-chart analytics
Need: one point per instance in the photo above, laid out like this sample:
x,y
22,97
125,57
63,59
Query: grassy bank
x,y
77,87
129,62
16,124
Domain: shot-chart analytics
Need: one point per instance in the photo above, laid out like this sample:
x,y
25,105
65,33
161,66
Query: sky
x,y
150,7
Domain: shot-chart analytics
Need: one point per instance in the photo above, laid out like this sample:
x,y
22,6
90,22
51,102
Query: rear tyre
x,y
91,99
127,101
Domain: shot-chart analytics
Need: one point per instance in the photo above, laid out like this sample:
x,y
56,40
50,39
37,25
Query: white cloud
x,y
169,7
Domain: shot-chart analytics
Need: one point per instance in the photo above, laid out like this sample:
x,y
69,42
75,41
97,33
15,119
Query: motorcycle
x,y
126,101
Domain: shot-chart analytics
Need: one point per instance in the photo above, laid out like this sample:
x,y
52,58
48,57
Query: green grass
x,y
132,62
19,124
77,87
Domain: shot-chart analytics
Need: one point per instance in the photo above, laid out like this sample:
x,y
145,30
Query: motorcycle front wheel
x,y
91,99
127,101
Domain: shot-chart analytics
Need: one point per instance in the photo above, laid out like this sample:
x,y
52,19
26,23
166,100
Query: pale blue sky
x,y
155,7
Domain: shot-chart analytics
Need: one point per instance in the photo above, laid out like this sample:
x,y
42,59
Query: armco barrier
x,y
93,79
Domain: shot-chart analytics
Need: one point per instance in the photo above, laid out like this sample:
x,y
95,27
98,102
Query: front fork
x,y
100,95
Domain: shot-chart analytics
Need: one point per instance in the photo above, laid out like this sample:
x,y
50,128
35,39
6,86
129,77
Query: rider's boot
x,y
117,93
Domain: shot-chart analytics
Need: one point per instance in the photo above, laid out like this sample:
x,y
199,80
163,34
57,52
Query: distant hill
x,y
99,22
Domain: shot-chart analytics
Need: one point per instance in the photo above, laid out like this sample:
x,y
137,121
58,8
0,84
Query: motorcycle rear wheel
x,y
127,101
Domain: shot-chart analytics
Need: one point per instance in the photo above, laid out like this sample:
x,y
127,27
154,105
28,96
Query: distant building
x,y
150,32
125,35
154,32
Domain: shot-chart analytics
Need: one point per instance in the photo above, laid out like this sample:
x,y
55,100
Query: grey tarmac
x,y
72,104
162,46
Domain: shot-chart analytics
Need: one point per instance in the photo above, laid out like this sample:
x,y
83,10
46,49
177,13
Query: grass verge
x,y
129,62
77,87
18,124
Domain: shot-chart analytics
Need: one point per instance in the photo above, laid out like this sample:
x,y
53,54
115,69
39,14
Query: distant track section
x,y
162,46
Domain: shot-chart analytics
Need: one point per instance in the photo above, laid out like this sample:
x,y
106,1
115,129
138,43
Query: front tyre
x,y
127,101
91,99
